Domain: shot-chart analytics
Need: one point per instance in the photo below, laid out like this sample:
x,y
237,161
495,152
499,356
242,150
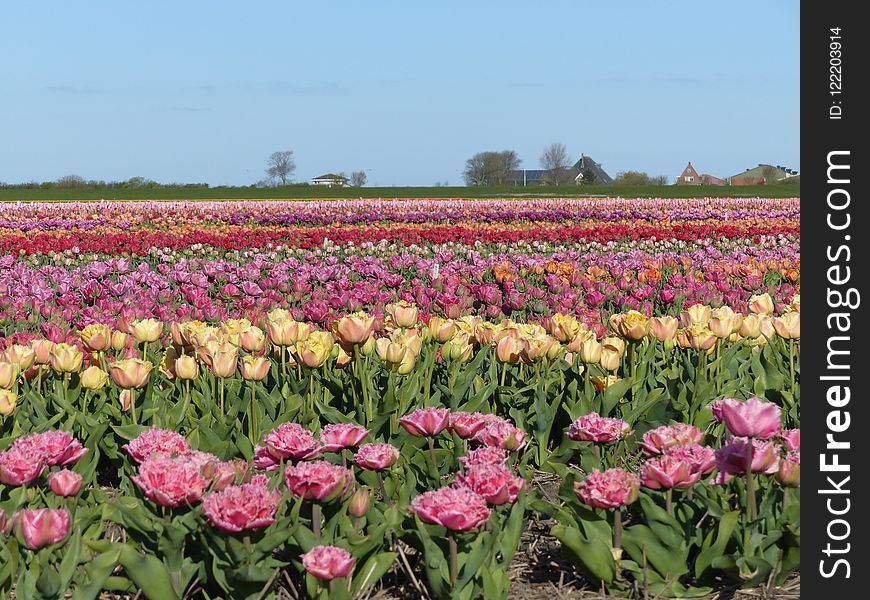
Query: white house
x,y
330,180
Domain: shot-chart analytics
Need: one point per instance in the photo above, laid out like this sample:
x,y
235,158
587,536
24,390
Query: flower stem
x,y
432,456
387,499
315,520
669,501
133,405
454,566
617,528
750,482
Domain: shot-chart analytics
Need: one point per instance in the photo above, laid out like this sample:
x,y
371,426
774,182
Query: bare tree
x,y
555,161
281,166
71,181
659,180
491,168
358,178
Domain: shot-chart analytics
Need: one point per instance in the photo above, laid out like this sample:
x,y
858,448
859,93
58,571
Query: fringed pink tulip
x,y
318,481
457,509
376,457
156,441
594,428
328,562
243,507
495,483
608,489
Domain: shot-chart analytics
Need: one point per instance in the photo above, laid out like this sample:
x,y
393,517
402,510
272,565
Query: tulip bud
x,y
65,358
93,378
254,368
8,402
23,356
130,373
508,350
42,527
367,347
252,339
65,483
119,340
761,304
96,337
609,359
146,331
404,314
359,503
8,374
442,330
224,363
42,351
186,367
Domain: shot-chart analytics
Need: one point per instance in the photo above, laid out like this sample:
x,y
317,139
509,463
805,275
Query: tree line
x,y
500,168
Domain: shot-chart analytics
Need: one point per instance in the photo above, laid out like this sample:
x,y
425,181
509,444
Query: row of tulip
x,y
522,283
252,395
112,228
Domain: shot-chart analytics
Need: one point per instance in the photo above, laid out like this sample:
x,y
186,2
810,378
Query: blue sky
x,y
204,91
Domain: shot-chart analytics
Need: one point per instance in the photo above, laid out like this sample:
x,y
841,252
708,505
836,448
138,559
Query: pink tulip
x,y
58,448
608,489
791,439
789,473
426,422
594,428
328,562
658,440
291,440
264,461
457,509
335,437
156,440
753,418
495,483
42,527
501,434
242,507
65,483
667,471
227,473
21,465
702,458
465,424
376,457
172,481
731,458
319,481
487,455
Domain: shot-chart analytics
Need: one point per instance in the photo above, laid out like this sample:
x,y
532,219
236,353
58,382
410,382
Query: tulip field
x,y
399,398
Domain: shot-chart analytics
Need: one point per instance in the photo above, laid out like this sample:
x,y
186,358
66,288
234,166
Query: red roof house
x,y
689,176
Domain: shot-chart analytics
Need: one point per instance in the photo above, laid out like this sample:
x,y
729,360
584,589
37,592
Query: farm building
x,y
689,176
585,170
330,180
762,174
